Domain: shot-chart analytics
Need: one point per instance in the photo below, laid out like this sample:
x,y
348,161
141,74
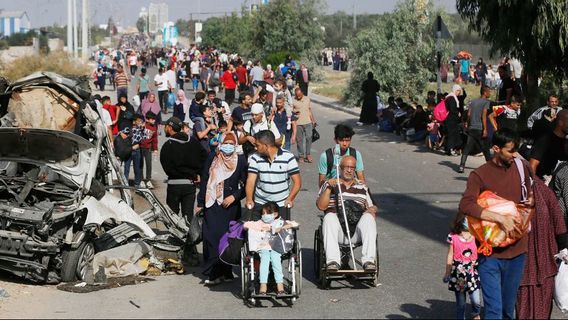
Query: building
x,y
12,22
158,16
143,12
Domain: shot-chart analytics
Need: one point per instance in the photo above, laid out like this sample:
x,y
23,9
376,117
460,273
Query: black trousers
x,y
229,96
304,87
475,138
162,97
181,196
146,161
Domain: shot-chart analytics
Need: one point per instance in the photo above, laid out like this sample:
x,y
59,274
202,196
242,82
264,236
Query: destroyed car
x,y
63,196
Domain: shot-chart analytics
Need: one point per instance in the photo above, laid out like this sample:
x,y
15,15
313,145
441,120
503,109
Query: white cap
x,y
257,108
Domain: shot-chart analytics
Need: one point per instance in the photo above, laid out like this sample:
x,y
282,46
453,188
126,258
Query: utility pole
x,y
438,53
85,31
354,19
69,27
75,36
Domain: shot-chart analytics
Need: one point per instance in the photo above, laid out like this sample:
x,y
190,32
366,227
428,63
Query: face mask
x,y
268,218
227,148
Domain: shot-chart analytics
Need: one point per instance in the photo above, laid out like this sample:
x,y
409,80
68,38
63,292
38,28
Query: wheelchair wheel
x,y
317,262
377,264
298,268
245,277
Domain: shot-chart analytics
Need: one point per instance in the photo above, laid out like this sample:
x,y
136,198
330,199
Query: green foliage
x,y
287,25
400,51
339,27
231,33
4,45
277,58
536,32
21,39
141,24
184,27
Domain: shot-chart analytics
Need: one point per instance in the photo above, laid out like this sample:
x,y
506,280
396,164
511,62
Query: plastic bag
x,y
195,234
561,287
171,100
489,234
315,135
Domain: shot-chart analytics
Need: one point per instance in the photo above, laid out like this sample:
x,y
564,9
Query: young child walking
x,y
261,233
461,268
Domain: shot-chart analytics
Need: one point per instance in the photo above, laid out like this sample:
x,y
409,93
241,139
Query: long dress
x,y
216,218
452,123
534,299
370,88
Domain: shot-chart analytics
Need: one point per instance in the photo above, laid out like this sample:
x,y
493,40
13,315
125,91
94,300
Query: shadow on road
x,y
438,309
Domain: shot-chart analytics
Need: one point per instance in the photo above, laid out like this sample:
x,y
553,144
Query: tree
x,y
399,49
141,24
535,32
288,25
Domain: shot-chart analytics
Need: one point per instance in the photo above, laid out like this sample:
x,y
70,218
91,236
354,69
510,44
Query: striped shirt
x,y
358,192
273,182
121,80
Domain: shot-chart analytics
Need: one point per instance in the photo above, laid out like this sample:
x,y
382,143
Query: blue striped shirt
x,y
273,180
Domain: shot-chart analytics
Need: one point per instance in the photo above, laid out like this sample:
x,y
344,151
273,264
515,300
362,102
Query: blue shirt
x,y
281,121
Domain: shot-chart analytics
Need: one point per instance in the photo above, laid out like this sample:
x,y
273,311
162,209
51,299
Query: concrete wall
x,y
55,44
13,53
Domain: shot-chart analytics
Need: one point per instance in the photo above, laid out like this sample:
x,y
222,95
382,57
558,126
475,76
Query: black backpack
x,y
329,158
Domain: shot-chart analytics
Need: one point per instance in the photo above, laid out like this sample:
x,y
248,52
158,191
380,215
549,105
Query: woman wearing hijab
x,y
370,88
151,104
452,123
181,106
222,188
125,113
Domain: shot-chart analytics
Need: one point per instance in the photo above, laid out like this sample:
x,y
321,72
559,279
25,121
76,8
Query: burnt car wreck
x,y
63,196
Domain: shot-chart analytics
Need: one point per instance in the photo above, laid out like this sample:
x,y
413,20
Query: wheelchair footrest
x,y
351,272
273,295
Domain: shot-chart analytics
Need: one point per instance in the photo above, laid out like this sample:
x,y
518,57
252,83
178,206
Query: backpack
x,y
329,158
231,243
440,111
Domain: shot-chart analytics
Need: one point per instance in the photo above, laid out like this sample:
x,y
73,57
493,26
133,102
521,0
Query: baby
x,y
261,235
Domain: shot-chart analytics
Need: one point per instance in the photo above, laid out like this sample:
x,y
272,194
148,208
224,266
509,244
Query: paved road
x,y
418,193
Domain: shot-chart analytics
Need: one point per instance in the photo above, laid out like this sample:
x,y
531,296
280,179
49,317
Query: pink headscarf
x,y
146,105
183,101
222,168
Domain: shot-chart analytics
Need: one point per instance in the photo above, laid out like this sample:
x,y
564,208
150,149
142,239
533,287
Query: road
x,y
418,192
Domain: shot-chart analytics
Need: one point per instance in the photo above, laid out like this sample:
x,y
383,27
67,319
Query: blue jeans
x,y
268,257
287,136
474,298
500,280
135,160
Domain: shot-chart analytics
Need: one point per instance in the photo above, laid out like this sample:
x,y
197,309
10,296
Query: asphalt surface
x,y
418,193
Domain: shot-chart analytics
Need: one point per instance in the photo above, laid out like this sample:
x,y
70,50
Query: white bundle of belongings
x,y
561,281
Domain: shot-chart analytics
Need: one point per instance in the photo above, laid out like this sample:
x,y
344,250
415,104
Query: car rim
x,y
85,260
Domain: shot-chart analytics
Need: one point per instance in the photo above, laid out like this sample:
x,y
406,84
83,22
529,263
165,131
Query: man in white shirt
x,y
259,123
163,84
194,67
171,74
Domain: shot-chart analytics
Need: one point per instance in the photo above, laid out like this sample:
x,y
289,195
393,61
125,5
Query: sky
x,y
48,12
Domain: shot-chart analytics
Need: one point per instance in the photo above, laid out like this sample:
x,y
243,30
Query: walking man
x,y
477,127
502,271
270,170
182,159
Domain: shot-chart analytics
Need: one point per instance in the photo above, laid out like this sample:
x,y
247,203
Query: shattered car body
x,y
63,196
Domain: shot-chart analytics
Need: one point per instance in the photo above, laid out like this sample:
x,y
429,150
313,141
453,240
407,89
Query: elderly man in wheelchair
x,y
360,212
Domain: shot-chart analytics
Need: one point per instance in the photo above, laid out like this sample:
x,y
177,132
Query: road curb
x,y
334,105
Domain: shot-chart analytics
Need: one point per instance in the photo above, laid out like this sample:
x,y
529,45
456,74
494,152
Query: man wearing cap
x,y
258,123
182,159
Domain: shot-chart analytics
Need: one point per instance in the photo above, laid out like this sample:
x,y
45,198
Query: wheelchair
x,y
325,276
292,270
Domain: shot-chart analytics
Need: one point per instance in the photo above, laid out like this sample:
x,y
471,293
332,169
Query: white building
x,y
143,12
12,22
158,16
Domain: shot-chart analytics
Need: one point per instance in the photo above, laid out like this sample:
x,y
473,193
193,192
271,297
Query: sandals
x,y
369,266
333,266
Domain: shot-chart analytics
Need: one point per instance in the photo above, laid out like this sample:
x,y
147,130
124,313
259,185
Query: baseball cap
x,y
257,108
175,123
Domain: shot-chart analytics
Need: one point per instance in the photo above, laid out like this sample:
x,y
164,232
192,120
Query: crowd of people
x,y
219,152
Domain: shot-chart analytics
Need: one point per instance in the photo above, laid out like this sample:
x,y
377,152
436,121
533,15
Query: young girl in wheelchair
x,y
265,236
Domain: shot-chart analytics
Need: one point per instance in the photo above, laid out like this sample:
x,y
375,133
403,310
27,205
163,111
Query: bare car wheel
x,y
77,262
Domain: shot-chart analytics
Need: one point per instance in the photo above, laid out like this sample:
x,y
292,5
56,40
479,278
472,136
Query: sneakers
x,y
149,185
369,266
359,123
142,185
210,283
333,266
461,169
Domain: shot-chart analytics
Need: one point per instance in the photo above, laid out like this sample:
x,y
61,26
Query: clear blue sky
x,y
47,12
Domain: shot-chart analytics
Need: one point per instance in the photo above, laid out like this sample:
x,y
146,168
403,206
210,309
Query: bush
x,y
4,45
58,62
276,58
